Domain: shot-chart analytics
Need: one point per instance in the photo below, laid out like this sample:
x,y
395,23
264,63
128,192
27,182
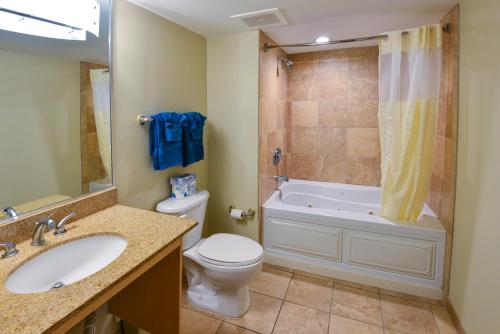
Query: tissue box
x,y
183,185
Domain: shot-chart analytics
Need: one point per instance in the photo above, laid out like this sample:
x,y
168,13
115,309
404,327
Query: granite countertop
x,y
146,232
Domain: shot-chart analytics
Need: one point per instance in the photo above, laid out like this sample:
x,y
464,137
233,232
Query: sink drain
x,y
57,285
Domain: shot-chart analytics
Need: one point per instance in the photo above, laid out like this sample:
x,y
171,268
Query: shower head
x,y
287,63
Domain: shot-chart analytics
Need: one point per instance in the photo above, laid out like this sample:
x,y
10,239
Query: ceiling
x,y
308,19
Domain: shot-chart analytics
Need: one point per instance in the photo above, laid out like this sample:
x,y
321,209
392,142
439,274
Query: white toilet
x,y
218,268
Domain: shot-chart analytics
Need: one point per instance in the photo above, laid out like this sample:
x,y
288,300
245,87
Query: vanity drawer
x,y
305,239
389,253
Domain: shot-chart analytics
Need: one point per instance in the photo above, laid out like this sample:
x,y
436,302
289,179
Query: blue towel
x,y
176,139
192,124
165,141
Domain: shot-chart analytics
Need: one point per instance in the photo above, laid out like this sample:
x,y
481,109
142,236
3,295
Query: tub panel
x,y
305,238
405,256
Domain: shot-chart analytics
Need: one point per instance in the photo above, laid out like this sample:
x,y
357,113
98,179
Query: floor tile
x,y
310,292
271,282
298,319
341,325
407,316
356,304
193,322
262,314
356,285
228,328
443,320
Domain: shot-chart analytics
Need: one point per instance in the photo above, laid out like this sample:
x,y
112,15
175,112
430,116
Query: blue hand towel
x,y
165,141
192,124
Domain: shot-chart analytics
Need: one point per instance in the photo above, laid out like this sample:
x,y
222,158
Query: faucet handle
x,y
61,228
51,224
10,249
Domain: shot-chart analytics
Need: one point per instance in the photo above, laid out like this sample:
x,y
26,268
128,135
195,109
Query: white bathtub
x,y
335,230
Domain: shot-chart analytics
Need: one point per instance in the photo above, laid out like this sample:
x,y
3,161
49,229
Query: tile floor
x,y
295,302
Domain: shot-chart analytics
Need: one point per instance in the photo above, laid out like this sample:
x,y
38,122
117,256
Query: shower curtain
x,y
101,102
410,74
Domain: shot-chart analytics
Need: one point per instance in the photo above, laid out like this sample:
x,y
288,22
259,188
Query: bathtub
x,y
335,230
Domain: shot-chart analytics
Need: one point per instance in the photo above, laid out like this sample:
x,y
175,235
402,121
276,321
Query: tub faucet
x,y
280,179
38,239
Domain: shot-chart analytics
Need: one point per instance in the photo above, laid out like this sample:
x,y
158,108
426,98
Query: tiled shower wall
x,y
442,193
272,115
333,103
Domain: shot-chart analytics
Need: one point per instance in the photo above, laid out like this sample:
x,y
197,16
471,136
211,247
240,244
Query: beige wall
x,y
157,66
233,62
333,104
40,127
475,268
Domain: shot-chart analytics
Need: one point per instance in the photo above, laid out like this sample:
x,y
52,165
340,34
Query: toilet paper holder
x,y
245,214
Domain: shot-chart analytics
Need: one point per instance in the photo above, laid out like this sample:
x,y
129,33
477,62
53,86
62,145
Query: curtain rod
x,y
446,28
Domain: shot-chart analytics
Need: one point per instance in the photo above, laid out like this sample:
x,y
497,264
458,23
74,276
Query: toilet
x,y
218,268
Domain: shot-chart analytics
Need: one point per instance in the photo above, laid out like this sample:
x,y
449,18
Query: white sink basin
x,y
66,264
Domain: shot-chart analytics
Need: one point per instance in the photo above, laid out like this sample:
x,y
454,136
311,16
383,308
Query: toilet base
x,y
231,301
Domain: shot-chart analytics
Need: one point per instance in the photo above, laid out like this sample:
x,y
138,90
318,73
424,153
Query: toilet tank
x,y
192,207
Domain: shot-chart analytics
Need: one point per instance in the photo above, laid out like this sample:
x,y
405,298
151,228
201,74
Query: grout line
x,y
381,311
283,301
434,318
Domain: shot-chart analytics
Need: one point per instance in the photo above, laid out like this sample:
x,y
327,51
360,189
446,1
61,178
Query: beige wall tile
x,y
363,143
304,114
333,169
333,85
304,140
363,171
363,113
332,141
334,113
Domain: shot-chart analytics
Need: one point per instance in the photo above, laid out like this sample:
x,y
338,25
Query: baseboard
x,y
454,317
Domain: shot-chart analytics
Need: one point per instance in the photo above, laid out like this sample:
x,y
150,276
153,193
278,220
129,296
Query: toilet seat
x,y
230,250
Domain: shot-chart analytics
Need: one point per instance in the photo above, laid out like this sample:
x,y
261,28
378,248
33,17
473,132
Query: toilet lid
x,y
230,250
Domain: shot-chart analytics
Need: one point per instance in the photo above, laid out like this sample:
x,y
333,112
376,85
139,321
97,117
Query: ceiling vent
x,y
262,18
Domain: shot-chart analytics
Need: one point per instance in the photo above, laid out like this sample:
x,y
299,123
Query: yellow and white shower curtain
x,y
410,74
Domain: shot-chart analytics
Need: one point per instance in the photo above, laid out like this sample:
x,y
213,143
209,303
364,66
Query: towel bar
x,y
143,119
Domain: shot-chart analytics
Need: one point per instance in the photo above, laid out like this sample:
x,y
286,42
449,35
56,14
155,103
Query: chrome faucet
x,y
38,239
10,212
10,249
280,179
60,228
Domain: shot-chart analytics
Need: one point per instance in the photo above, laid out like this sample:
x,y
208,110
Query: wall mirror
x,y
55,136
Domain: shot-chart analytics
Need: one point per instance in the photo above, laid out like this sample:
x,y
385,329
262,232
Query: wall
x,y
475,269
157,66
333,105
272,116
92,166
233,62
40,98
442,190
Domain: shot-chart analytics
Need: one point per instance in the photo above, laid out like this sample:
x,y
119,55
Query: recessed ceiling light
x,y
322,40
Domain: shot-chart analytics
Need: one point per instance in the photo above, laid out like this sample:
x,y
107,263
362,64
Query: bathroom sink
x,y
66,264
